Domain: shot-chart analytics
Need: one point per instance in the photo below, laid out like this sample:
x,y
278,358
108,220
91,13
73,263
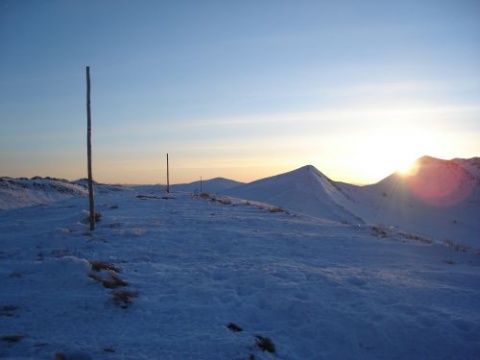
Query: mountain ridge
x,y
440,199
214,185
431,201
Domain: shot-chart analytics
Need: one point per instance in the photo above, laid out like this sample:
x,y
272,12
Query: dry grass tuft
x,y
265,344
276,209
103,265
221,200
123,298
113,281
205,196
379,232
456,247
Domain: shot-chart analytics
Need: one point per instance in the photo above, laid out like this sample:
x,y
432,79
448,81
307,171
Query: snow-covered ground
x,y
209,277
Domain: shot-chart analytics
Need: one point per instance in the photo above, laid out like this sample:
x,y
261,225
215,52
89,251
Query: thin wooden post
x,y
168,177
89,155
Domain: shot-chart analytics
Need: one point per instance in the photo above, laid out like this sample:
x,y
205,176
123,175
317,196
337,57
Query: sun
x,y
406,168
388,148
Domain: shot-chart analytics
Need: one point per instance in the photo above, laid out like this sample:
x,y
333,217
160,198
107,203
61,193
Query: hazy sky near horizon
x,y
239,89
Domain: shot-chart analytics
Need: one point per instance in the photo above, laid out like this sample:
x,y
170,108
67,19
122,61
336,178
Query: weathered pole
x,y
89,155
168,177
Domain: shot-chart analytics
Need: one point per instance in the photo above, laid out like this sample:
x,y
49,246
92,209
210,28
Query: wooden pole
x,y
168,177
89,155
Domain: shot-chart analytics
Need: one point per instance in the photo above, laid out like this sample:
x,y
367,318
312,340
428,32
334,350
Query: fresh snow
x,y
196,268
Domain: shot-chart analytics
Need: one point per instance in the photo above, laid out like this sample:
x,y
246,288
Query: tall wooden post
x,y
168,177
89,155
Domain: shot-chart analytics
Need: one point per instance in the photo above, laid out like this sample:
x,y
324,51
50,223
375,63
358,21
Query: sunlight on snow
x,y
442,184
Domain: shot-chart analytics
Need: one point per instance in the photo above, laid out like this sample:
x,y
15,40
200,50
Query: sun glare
x,y
407,168
394,147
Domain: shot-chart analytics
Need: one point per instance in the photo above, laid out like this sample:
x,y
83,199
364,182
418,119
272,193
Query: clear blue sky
x,y
240,89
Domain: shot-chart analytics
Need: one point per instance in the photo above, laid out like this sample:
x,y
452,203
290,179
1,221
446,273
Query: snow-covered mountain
x,y
305,190
440,199
213,186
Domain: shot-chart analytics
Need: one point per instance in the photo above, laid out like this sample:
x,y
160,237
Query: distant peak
x,y
432,161
427,159
310,170
308,167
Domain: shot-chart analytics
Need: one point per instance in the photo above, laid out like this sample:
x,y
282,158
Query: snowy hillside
x,y
472,165
440,200
16,193
199,277
305,191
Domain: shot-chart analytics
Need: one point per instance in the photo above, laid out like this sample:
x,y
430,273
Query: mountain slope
x,y
305,191
214,186
440,200
472,165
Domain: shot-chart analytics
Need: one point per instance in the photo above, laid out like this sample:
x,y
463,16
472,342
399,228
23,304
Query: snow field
x,y
317,289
